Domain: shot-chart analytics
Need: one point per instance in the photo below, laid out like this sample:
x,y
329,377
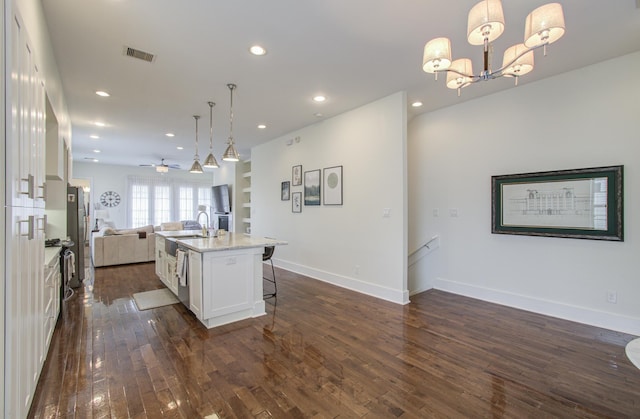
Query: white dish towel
x,y
182,263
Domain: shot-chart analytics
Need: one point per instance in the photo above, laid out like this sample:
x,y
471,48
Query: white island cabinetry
x,y
225,277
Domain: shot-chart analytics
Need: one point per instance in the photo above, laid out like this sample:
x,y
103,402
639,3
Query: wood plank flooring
x,y
326,352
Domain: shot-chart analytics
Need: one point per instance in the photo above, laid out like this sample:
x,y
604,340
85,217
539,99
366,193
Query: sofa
x,y
118,247
111,246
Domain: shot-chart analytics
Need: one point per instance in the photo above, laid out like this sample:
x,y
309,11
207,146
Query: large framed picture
x,y
332,185
579,203
296,202
312,187
296,175
285,191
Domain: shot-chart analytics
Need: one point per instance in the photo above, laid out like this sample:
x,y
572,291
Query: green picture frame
x,y
578,203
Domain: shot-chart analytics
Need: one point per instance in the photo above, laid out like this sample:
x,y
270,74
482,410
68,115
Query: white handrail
x,y
428,245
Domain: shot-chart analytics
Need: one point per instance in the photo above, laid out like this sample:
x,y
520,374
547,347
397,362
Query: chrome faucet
x,y
205,229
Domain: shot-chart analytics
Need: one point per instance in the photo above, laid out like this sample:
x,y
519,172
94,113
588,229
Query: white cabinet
x,y
26,295
222,285
24,313
26,148
195,283
160,258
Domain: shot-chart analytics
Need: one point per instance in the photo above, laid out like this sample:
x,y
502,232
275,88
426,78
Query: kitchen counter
x,y
230,241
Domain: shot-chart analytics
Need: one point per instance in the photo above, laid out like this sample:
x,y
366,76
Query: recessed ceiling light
x,y
180,148
416,104
262,126
95,137
257,50
170,134
102,93
96,151
318,115
319,98
100,124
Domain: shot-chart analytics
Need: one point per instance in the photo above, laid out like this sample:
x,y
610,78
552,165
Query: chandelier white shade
x,y
544,25
196,167
211,162
485,24
162,169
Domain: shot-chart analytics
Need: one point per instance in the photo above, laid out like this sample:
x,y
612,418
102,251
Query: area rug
x,y
156,298
633,352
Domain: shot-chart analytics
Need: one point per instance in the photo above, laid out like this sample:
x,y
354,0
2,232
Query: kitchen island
x,y
224,276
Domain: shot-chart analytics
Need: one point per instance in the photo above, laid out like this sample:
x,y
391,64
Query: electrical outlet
x,y
612,296
453,212
386,212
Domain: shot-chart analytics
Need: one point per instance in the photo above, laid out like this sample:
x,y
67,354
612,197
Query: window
x,y
159,200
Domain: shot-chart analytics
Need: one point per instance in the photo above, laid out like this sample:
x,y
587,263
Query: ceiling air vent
x,y
141,55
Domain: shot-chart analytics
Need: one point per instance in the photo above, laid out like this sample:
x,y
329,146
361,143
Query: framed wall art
x,y
296,202
296,175
578,203
332,185
312,187
285,191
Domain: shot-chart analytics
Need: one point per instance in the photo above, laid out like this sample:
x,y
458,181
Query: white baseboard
x,y
583,315
384,293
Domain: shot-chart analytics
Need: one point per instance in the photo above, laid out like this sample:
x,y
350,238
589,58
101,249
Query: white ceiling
x,y
352,51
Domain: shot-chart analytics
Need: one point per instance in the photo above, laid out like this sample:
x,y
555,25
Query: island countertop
x,y
230,241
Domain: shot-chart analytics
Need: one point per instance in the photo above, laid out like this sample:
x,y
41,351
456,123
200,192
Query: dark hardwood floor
x,y
324,352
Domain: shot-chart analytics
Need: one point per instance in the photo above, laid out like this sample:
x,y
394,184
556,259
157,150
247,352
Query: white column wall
x,y
584,118
351,245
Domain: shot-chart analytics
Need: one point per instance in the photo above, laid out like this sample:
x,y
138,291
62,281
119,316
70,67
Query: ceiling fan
x,y
162,167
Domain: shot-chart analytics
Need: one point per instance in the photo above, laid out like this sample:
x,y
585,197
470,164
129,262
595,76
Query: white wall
x,y
584,118
105,177
351,245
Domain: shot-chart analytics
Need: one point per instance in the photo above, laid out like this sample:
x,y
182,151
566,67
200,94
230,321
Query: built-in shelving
x,y
245,186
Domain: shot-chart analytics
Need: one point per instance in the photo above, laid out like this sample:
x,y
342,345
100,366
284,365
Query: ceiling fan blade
x,y
174,166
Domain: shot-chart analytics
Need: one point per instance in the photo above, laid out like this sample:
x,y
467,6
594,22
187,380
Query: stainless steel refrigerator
x,y
76,219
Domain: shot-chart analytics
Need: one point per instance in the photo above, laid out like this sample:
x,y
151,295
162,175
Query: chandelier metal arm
x,y
490,75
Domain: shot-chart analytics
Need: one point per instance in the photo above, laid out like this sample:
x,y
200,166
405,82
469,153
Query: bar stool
x,y
266,256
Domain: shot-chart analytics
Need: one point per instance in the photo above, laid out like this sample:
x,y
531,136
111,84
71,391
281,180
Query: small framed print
x,y
296,202
332,185
312,187
285,191
296,175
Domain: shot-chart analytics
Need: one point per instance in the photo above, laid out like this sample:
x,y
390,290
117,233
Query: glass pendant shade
x,y
210,162
544,24
196,167
460,73
486,20
231,154
520,66
437,55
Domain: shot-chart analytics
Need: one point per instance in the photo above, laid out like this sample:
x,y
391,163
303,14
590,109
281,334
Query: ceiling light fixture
x,y
162,168
319,98
210,162
231,154
196,167
416,104
94,137
102,93
100,124
543,26
170,134
262,126
257,50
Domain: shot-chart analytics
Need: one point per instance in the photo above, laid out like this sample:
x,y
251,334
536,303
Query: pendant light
x,y
231,154
196,167
210,162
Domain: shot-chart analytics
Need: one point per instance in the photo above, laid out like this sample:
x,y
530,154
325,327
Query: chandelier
x,y
543,26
